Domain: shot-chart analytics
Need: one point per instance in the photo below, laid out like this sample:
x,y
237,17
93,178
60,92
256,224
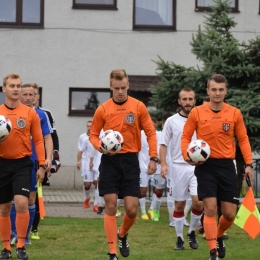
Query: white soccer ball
x,y
5,126
111,141
198,151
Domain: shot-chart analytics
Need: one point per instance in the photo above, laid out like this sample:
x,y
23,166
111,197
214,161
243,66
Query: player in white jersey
x,y
144,159
158,183
183,181
89,172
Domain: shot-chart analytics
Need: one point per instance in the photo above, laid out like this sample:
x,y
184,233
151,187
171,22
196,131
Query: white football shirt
x,y
171,136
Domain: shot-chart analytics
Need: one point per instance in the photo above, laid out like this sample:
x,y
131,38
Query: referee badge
x,y
21,123
226,127
130,118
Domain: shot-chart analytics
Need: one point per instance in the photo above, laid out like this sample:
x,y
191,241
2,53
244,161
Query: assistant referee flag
x,y
40,199
248,217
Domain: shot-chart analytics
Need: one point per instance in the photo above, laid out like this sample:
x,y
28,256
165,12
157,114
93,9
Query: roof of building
x,y
142,83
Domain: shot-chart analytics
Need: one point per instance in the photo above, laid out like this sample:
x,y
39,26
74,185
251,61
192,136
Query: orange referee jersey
x,y
128,119
25,123
218,130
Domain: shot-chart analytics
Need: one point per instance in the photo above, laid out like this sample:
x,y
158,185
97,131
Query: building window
x,y
84,101
140,88
22,13
95,4
154,15
203,5
2,96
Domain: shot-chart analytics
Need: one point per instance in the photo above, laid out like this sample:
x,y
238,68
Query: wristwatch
x,y
155,159
43,166
250,165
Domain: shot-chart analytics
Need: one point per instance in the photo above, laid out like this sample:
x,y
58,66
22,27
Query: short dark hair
x,y
206,99
154,119
219,78
165,116
186,90
178,109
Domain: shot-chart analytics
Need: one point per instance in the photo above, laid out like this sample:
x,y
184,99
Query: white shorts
x,y
89,175
144,179
183,182
158,182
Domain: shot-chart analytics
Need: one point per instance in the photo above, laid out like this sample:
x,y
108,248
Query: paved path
x,y
70,211
66,203
69,203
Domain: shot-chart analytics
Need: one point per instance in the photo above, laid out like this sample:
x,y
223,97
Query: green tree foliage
x,y
219,52
93,102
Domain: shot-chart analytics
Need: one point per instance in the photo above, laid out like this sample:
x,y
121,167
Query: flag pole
x,y
40,200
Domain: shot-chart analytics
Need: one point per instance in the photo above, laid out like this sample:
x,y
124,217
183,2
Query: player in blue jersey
x,y
27,98
55,160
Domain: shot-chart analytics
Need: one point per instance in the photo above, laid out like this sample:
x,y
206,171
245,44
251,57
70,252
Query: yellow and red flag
x,y
40,200
248,217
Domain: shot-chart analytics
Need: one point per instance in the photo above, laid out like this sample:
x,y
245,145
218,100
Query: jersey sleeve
x,y
55,140
93,152
188,131
80,142
166,133
37,137
54,134
242,137
83,145
45,124
96,127
147,126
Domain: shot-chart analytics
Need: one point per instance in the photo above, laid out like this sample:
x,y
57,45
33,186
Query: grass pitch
x,y
84,239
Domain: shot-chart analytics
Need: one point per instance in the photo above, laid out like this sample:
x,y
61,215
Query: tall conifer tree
x,y
219,52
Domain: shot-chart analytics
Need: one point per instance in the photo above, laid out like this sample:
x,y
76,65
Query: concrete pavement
x,y
69,203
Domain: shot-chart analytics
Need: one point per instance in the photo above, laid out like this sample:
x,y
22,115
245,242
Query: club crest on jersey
x,y
130,118
21,123
226,127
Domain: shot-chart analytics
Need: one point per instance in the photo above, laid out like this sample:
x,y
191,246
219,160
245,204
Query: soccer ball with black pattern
x,y
111,142
198,151
5,126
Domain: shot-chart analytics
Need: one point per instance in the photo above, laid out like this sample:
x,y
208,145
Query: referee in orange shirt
x,y
217,123
120,174
15,164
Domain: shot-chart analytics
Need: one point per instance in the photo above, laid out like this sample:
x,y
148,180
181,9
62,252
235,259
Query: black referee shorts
x,y
15,178
217,178
119,174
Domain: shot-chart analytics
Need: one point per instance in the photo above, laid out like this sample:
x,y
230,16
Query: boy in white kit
x,y
89,171
144,159
158,182
183,182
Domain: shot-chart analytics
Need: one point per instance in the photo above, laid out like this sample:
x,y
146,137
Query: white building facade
x,y
69,47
